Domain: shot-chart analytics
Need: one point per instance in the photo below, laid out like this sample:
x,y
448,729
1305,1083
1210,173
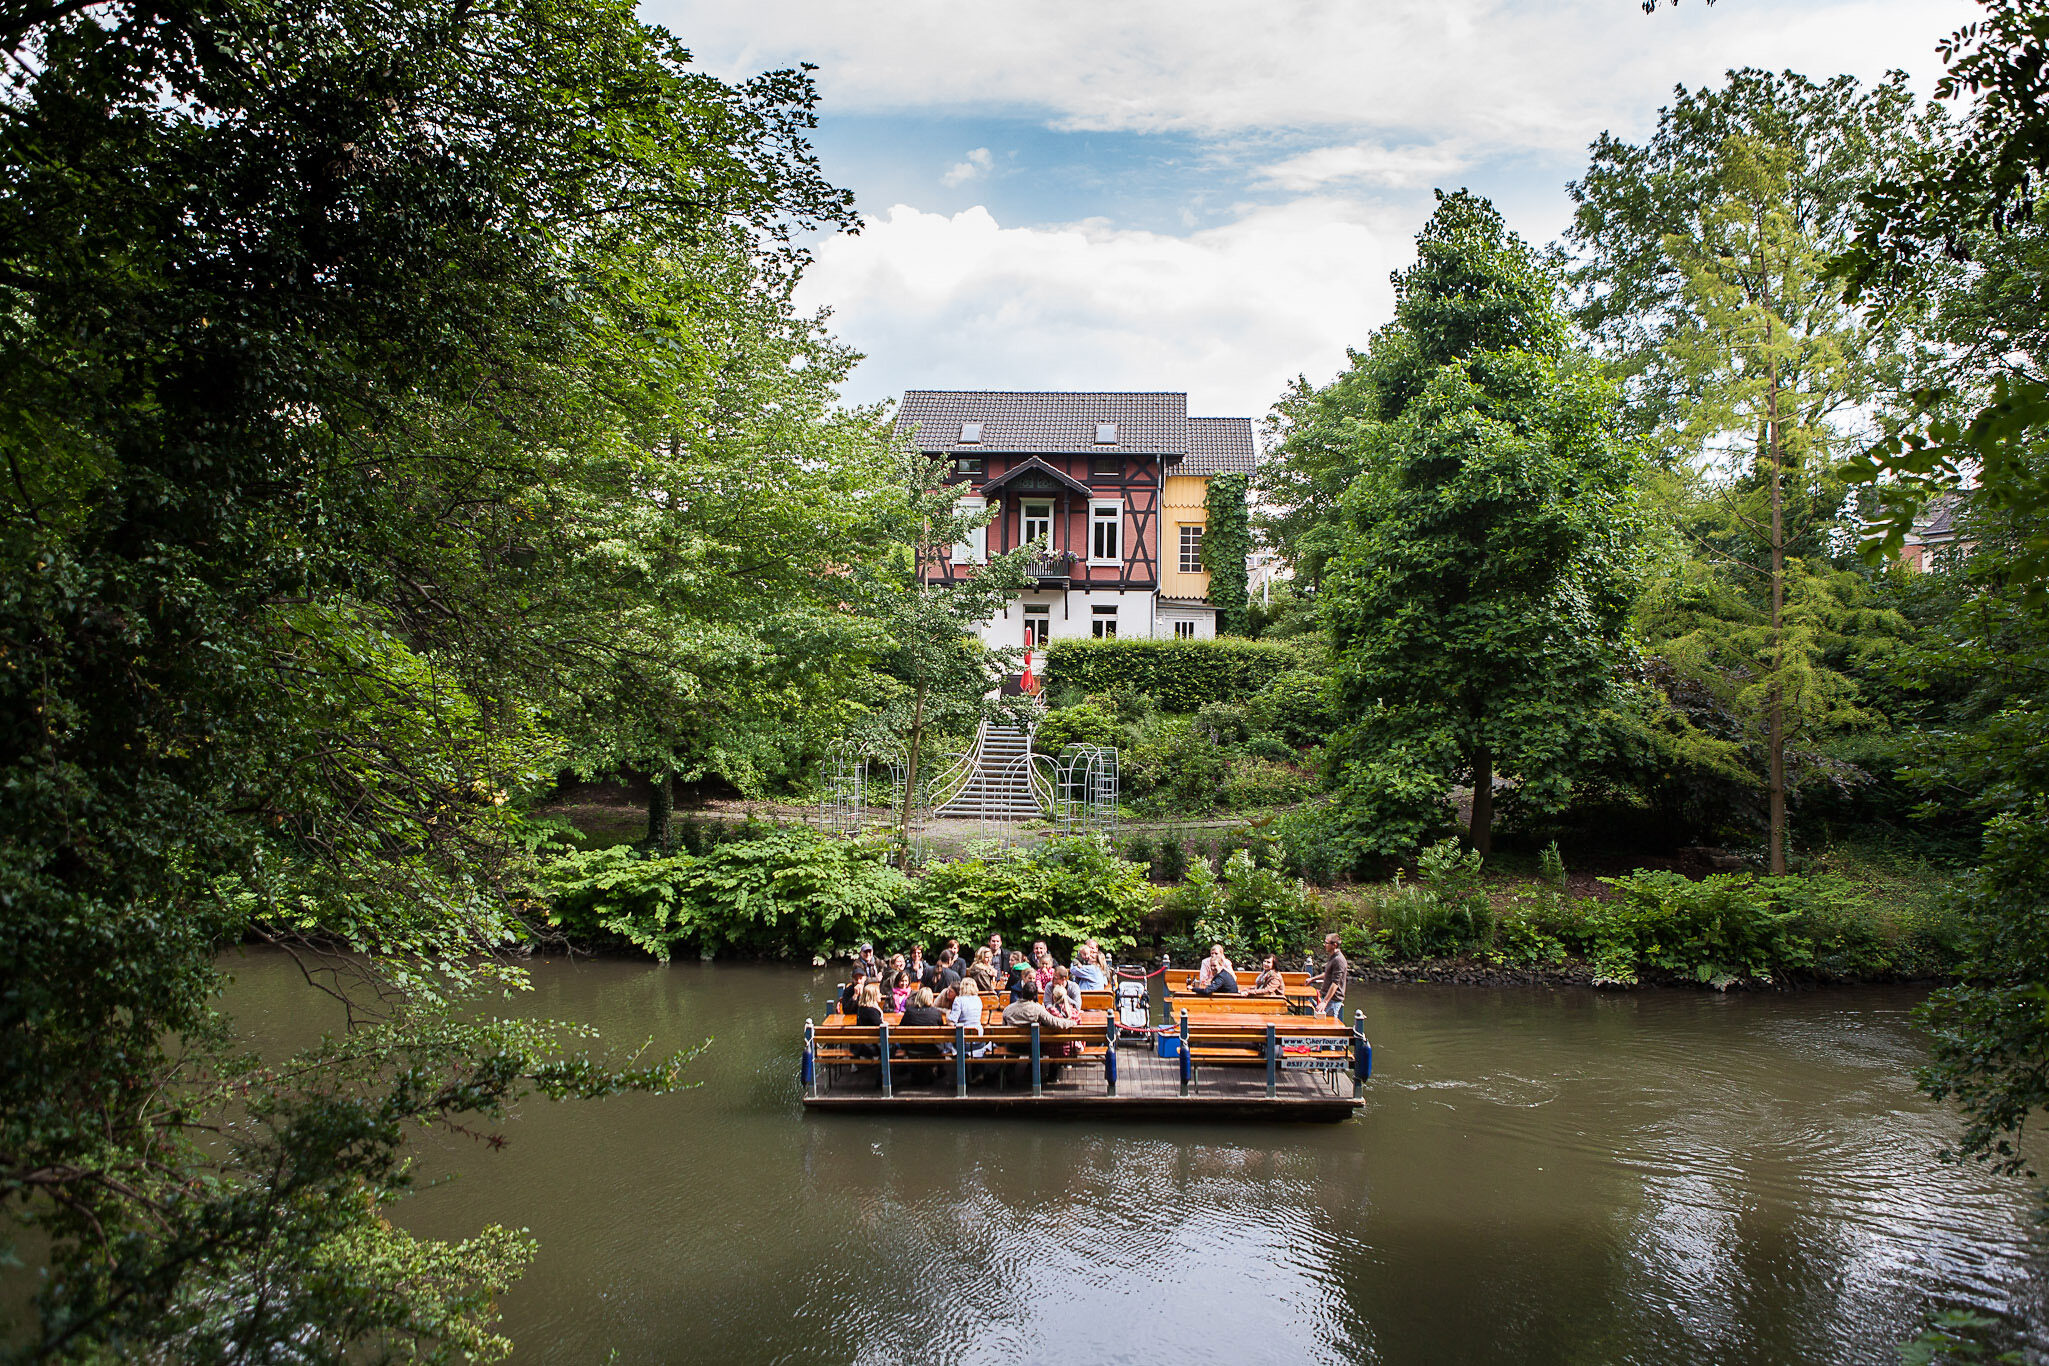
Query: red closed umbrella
x,y
1028,680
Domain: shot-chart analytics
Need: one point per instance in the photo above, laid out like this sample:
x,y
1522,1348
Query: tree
x,y
1478,598
1226,546
1704,278
323,322
933,675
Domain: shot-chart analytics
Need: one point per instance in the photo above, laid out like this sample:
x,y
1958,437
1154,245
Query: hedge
x,y
1180,674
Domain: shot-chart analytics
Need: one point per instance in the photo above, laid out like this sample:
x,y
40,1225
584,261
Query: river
x,y
1539,1176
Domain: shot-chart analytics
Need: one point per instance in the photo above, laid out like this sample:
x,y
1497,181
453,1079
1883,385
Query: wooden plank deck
x,y
1148,1087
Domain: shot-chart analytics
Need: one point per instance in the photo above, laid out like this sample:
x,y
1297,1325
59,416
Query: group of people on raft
x,y
953,988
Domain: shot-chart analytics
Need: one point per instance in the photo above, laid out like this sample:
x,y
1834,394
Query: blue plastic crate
x,y
1169,1045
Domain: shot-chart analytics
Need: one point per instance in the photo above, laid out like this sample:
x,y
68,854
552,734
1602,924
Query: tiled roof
x,y
1939,521
1044,423
1219,445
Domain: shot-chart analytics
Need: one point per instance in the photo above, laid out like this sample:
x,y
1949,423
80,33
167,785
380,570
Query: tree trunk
x,y
661,804
1775,695
911,779
1481,831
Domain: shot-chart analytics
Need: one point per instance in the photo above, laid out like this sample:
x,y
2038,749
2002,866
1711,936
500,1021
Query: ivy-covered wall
x,y
1226,544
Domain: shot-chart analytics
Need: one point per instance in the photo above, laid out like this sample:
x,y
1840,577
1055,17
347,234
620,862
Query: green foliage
x,y
1478,594
1256,783
1087,723
1551,866
1296,708
789,891
1180,674
1063,891
1226,547
1250,910
390,390
1171,866
1174,766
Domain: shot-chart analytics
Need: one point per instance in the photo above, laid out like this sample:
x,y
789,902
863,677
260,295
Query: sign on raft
x,y
1314,1064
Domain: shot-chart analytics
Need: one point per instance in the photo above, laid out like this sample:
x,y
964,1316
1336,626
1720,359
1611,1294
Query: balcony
x,y
1051,568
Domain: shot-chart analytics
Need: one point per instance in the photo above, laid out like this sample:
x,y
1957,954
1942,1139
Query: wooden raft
x,y
1258,1064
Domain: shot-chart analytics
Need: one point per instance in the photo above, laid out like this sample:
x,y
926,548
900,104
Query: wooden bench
x,y
838,1044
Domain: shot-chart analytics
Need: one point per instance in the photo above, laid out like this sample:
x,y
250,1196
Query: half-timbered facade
x,y
1106,487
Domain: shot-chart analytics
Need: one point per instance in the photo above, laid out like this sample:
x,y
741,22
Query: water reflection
x,y
1538,1177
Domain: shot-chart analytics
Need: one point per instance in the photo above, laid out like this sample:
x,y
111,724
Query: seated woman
x,y
869,1012
964,1008
922,1012
983,971
1268,983
1087,971
900,987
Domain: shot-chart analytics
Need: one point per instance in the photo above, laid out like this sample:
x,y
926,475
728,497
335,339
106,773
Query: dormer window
x,y
1106,433
971,434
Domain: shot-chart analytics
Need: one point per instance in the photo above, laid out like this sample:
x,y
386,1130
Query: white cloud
x,y
1537,75
1229,314
1367,164
974,166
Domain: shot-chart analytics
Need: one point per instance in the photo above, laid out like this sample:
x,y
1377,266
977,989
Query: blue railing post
x,y
1362,1052
1110,1055
1187,1058
1273,1061
886,1089
960,1061
809,1071
1035,1059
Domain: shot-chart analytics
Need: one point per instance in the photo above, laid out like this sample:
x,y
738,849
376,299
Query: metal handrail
x,y
954,781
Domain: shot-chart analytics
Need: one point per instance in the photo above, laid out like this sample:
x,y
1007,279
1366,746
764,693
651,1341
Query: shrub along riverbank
x,y
790,892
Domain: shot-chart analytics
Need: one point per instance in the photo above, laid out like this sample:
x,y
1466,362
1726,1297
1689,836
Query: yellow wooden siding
x,y
1182,501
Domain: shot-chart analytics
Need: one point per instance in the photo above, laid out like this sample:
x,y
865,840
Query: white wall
x,y
1165,616
1072,615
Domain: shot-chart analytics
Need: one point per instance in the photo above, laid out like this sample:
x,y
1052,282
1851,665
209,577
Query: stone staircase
x,y
998,785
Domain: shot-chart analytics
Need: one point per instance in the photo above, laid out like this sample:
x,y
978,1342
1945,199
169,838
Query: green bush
x,y
1174,766
1258,782
1172,864
1180,674
1295,709
1224,722
1086,724
1064,891
775,892
1249,909
1139,849
1271,748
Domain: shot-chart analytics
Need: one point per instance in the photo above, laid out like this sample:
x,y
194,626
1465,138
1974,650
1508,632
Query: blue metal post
x,y
1035,1060
960,1061
1273,1062
886,1089
1187,1058
809,1074
1110,1055
1362,1052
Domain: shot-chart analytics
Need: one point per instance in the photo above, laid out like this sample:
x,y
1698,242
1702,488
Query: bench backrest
x,y
1227,1005
1180,979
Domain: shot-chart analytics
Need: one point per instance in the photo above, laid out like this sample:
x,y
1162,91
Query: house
x,y
1109,487
1936,528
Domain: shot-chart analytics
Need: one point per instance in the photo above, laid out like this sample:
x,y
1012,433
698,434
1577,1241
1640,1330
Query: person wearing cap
x,y
864,957
850,995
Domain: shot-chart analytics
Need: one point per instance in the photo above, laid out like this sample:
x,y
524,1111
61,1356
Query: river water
x,y
1539,1176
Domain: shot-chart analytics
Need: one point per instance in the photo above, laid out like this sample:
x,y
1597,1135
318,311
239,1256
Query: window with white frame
x,y
1103,622
1106,532
1191,550
1036,523
1038,623
975,549
1184,630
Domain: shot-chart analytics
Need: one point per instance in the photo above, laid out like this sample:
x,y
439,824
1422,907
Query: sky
x,y
1209,195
